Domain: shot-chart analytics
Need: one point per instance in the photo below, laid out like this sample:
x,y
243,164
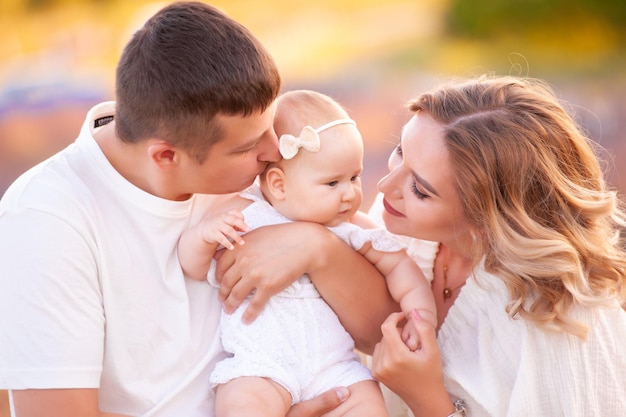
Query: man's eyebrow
x,y
425,184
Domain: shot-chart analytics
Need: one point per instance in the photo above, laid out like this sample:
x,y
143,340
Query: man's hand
x,y
274,256
271,260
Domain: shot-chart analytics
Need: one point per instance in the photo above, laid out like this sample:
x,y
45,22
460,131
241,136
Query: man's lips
x,y
391,210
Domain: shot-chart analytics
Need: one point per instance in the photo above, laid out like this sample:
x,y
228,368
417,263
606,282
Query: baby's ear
x,y
275,182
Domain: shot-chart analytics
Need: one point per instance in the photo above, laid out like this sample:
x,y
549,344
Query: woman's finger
x,y
426,332
390,326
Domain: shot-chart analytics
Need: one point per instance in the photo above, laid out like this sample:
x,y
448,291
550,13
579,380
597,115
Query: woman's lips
x,y
391,210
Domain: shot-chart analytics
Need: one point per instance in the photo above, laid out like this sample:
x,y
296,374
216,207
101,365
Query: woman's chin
x,y
391,223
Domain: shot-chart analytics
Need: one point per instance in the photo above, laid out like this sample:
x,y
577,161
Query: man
x,y
97,318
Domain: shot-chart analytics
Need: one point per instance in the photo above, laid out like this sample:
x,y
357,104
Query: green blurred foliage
x,y
559,38
489,18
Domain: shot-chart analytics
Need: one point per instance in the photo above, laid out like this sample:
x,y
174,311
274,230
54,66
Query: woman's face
x,y
420,198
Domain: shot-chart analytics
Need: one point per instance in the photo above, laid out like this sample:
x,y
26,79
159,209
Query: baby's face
x,y
325,186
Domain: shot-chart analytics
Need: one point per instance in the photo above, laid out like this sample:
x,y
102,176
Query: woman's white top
x,y
505,367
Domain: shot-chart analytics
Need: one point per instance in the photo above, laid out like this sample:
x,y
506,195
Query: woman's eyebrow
x,y
425,184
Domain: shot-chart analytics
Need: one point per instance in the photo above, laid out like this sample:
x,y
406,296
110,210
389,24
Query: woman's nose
x,y
387,184
382,183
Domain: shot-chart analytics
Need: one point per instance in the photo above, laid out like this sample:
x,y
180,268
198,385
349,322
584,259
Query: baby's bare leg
x,y
366,400
251,396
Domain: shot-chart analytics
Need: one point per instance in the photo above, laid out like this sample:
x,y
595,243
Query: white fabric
x,y
297,340
506,367
510,368
91,292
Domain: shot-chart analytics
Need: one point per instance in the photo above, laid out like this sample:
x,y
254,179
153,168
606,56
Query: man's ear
x,y
163,154
275,182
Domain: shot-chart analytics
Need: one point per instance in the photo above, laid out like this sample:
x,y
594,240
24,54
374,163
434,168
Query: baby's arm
x,y
198,244
405,280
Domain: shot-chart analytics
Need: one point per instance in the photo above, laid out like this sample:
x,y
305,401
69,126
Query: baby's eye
x,y
333,183
355,178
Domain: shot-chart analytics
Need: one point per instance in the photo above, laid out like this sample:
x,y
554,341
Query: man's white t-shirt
x,y
91,291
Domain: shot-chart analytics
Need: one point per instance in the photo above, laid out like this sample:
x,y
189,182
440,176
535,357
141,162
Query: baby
x,y
296,348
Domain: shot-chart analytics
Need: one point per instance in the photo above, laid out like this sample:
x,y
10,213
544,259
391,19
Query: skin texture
x,y
318,187
419,194
201,122
237,275
247,146
246,267
420,201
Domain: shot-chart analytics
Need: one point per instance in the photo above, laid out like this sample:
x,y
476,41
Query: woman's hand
x,y
415,375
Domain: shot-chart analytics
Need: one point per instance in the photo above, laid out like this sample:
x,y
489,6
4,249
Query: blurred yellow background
x,y
58,57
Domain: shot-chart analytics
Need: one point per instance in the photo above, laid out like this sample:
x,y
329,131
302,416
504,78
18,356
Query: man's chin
x,y
232,188
252,181
242,186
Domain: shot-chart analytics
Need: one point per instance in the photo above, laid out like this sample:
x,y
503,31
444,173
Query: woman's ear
x,y
275,182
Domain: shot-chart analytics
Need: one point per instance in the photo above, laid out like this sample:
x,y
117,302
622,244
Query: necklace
x,y
447,291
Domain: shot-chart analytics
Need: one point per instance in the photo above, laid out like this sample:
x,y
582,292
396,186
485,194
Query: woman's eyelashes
x,y
420,195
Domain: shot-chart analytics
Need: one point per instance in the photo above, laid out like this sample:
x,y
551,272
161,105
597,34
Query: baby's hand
x,y
225,228
410,336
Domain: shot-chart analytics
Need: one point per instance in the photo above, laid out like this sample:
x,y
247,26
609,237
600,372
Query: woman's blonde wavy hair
x,y
533,189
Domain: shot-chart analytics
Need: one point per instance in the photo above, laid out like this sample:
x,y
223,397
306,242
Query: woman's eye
x,y
398,150
420,195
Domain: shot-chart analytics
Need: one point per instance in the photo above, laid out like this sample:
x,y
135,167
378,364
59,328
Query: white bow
x,y
289,145
309,139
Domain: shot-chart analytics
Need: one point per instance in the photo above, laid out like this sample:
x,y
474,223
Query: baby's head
x,y
319,178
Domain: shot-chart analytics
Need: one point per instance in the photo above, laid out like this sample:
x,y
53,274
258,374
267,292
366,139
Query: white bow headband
x,y
309,139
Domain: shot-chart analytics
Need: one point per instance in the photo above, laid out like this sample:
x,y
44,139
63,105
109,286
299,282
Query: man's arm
x,y
274,256
354,288
58,403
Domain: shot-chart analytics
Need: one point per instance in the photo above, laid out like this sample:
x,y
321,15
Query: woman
x,y
528,272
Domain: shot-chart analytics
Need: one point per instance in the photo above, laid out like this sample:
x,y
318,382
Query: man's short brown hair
x,y
188,63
